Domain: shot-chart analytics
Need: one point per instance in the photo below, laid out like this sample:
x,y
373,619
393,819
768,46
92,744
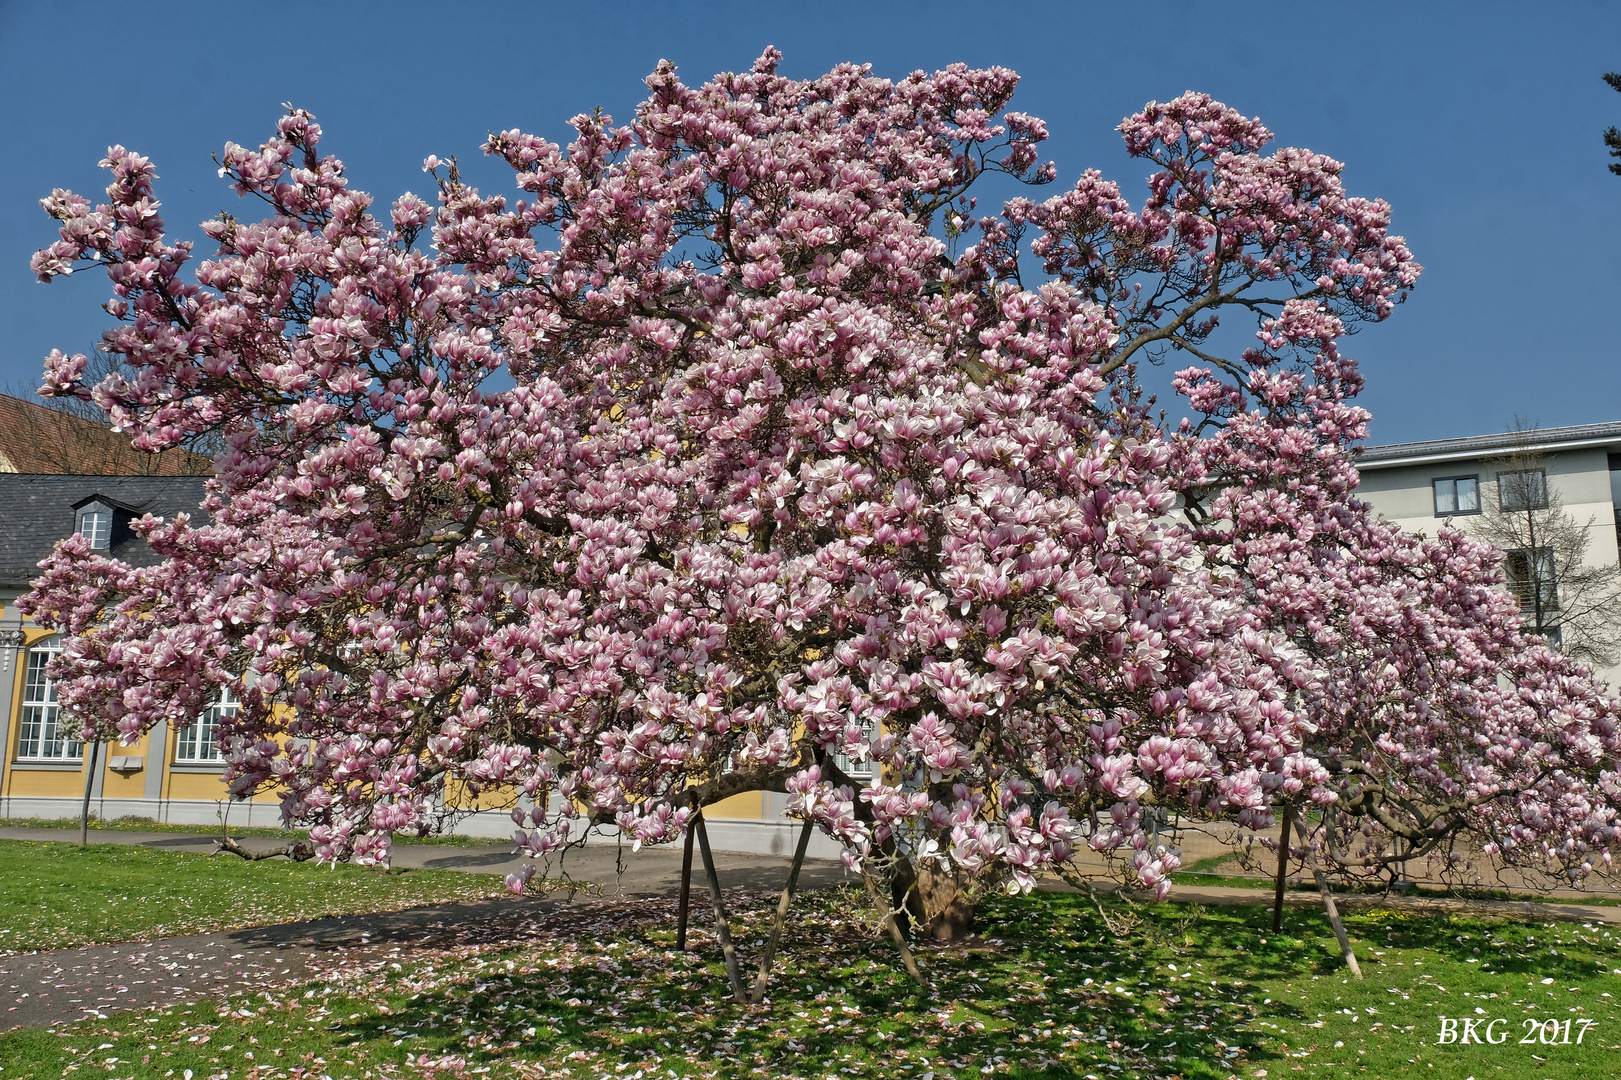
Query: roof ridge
x,y
1532,437
40,440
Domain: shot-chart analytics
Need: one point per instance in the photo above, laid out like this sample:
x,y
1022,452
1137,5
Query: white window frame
x,y
40,736
198,744
860,770
96,525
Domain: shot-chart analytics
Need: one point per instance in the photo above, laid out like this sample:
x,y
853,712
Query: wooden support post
x,y
1283,871
686,891
1333,914
895,933
786,899
89,781
723,928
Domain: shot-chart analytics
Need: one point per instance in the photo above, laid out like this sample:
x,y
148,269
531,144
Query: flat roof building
x,y
1478,481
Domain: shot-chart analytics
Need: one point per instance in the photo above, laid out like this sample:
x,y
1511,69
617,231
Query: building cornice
x,y
1540,440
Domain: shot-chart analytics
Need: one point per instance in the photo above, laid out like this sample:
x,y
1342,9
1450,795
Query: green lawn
x,y
144,824
1225,872
1049,992
56,895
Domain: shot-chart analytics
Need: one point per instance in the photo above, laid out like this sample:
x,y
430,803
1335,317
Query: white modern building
x,y
1420,485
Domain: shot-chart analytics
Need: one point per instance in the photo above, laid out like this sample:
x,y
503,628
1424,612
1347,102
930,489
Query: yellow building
x,y
168,775
174,775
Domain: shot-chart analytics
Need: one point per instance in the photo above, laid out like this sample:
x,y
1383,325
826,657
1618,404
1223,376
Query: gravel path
x,y
65,985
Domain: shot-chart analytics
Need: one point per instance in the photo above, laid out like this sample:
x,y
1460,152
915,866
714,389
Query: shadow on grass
x,y
1052,988
1047,989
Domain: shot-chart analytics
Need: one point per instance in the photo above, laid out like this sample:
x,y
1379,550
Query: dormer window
x,y
102,521
96,525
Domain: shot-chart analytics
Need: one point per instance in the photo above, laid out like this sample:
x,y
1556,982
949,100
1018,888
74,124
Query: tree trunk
x,y
1333,915
686,891
782,912
1283,871
948,913
89,782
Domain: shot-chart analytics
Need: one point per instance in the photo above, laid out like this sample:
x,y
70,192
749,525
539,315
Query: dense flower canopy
x,y
737,442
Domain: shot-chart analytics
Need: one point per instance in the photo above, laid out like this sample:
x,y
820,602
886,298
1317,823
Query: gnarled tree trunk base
x,y
948,908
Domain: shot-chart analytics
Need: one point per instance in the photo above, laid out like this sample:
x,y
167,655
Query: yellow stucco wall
x,y
750,804
23,781
190,784
119,784
56,783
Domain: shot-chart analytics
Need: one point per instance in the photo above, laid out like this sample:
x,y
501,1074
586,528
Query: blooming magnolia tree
x,y
737,442
1437,729
1430,728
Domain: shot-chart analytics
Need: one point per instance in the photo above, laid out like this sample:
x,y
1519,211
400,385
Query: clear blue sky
x,y
1480,122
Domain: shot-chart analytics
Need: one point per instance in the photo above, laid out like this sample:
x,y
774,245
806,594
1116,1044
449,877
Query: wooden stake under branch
x,y
782,913
723,928
1283,871
895,933
89,780
686,892
1333,914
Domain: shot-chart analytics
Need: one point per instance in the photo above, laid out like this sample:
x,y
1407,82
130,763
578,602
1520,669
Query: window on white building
x,y
200,741
42,736
1523,489
1457,495
1530,573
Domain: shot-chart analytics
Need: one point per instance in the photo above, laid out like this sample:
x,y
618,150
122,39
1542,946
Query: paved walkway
x,y
65,985
652,871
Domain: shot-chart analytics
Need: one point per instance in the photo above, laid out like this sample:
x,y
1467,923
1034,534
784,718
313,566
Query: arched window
x,y
96,525
200,742
42,736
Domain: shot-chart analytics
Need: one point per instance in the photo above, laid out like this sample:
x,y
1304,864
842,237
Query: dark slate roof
x,y
1540,439
36,511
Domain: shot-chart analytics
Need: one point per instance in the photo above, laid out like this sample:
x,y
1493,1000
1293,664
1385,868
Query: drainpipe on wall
x,y
11,643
